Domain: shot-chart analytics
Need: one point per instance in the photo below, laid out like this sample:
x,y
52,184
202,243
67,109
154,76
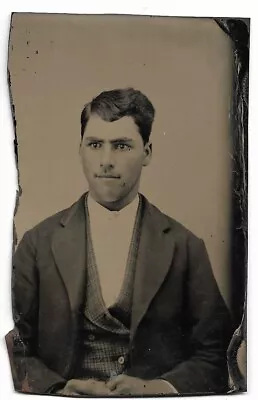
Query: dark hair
x,y
114,104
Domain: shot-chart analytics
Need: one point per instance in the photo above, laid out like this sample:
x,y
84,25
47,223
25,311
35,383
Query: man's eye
x,y
95,145
123,146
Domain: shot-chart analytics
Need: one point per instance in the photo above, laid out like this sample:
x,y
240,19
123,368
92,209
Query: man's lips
x,y
107,176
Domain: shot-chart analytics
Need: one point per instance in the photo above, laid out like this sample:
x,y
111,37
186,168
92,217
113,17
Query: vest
x,y
105,332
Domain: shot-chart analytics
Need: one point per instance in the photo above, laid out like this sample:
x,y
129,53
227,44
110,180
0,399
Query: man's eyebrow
x,y
122,140
93,139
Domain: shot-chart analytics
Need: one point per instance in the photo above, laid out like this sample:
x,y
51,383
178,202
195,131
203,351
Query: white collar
x,y
97,210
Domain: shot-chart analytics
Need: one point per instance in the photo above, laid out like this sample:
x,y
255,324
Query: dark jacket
x,y
180,326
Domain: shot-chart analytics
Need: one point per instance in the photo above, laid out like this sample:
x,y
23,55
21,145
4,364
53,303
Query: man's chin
x,y
109,198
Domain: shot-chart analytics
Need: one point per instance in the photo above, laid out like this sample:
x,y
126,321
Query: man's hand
x,y
129,385
84,386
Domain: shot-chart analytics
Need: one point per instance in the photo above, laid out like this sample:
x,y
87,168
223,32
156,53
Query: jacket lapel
x,y
154,259
69,250
155,254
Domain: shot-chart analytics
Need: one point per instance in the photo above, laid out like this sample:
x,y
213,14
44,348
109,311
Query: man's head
x,y
115,130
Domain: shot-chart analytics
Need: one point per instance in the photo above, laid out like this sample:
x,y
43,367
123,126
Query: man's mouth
x,y
107,176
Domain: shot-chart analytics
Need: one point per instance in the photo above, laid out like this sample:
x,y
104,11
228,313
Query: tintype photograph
x,y
130,229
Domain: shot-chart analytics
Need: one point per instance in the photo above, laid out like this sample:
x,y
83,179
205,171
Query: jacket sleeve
x,y
29,373
208,330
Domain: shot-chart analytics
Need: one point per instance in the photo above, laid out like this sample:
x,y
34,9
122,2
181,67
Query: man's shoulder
x,y
177,228
53,221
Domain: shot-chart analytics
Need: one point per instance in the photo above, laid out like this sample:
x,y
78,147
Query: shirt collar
x,y
96,209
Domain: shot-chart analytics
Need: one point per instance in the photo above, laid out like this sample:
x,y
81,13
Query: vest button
x,y
91,337
121,360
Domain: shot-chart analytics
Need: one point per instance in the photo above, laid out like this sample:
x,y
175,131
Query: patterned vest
x,y
105,332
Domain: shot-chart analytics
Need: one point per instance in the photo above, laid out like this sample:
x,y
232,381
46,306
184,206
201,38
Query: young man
x,y
111,296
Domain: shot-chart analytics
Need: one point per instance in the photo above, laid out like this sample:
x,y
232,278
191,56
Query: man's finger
x,y
86,386
122,389
76,385
114,382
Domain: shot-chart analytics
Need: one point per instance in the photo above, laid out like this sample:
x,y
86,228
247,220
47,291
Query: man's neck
x,y
117,205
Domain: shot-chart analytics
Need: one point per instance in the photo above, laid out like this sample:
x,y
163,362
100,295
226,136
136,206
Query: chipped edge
x,y
12,335
238,31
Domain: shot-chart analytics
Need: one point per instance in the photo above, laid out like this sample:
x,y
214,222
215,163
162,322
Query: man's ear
x,y
80,146
147,154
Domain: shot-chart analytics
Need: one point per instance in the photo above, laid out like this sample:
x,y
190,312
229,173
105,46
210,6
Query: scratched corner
x,y
25,387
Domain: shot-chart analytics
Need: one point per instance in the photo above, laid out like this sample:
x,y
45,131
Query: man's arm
x,y
29,373
208,322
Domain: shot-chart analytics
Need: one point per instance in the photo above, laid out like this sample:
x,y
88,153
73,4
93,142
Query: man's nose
x,y
107,159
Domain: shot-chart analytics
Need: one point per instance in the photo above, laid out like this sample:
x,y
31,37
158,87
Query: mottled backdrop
x,y
184,65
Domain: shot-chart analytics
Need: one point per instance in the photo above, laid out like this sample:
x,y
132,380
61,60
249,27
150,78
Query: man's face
x,y
113,155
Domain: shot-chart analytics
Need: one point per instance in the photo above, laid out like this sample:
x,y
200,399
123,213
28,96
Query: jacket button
x,y
121,360
91,337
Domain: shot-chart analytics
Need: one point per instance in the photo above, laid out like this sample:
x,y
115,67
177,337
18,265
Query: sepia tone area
x,y
57,63
141,311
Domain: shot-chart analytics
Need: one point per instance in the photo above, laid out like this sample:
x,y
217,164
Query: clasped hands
x,y
119,385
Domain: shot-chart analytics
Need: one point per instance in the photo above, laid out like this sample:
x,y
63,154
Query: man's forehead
x,y
124,127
